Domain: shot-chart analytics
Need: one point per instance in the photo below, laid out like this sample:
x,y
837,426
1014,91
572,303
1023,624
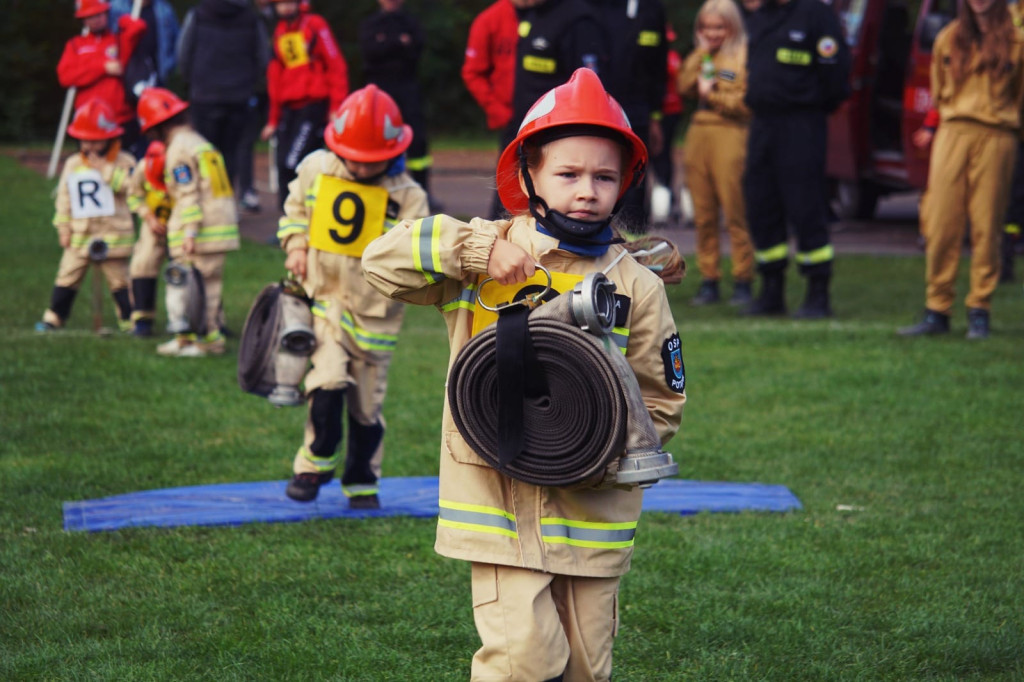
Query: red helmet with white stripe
x,y
368,127
94,120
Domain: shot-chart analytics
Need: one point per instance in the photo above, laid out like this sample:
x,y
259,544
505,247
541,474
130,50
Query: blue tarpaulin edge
x,y
232,504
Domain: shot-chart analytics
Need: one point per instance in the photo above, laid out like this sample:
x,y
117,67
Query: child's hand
x,y
154,225
65,238
267,132
922,137
705,86
509,263
113,67
189,245
295,263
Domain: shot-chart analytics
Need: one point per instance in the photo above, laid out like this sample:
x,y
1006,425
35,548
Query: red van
x,y
870,153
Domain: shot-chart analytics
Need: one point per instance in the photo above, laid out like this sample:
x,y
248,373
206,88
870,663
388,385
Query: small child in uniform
x,y
203,224
546,560
92,217
148,199
341,199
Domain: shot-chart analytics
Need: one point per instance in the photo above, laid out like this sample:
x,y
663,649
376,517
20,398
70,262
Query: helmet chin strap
x,y
570,230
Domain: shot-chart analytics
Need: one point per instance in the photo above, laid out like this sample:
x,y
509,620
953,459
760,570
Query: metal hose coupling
x,y
98,249
590,427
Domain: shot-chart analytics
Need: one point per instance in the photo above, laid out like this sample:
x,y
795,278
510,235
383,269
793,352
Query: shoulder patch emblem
x,y
726,75
828,47
672,358
182,174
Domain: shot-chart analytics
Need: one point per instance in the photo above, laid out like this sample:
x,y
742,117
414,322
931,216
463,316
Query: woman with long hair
x,y
977,83
715,152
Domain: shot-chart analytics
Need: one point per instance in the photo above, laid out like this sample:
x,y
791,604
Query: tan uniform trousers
x,y
339,363
713,159
536,626
71,271
211,267
968,181
148,254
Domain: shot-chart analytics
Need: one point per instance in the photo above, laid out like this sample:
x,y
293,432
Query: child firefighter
x,y
341,199
546,560
92,217
203,224
148,199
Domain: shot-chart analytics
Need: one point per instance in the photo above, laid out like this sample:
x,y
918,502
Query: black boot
x,y
124,308
816,304
933,323
977,324
707,293
772,299
741,294
325,413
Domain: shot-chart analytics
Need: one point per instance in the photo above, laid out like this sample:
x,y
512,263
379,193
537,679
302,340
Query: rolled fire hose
x,y
590,425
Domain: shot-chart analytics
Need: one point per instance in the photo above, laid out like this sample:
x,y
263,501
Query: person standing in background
x,y
307,78
222,53
663,162
391,42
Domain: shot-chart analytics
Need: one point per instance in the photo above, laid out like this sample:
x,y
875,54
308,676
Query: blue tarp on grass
x,y
232,504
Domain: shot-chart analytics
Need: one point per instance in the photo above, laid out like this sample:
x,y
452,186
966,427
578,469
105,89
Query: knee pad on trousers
x,y
61,301
325,415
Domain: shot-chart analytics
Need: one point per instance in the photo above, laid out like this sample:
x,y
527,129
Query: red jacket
x,y
307,66
489,67
673,103
84,66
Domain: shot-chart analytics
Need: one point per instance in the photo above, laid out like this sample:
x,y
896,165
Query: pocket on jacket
x,y
458,449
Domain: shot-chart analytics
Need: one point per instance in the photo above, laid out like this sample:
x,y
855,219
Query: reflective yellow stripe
x,y
426,249
476,518
193,214
286,227
538,64
367,340
620,337
359,490
419,163
785,55
321,463
60,218
78,240
216,233
524,28
648,39
822,255
588,534
313,191
466,300
775,253
133,202
1012,228
118,178
120,240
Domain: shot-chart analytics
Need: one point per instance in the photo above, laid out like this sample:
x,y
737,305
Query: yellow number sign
x,y
292,48
347,215
495,294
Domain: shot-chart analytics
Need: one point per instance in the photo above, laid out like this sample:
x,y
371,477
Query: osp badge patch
x,y
672,358
182,174
828,47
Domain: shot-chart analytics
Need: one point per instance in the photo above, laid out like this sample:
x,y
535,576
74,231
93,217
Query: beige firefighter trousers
x,y
968,182
535,626
713,159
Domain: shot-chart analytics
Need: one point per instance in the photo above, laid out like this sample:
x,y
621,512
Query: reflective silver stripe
x,y
466,300
476,518
585,534
426,252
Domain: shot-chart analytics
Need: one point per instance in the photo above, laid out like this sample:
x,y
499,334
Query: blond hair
x,y
730,14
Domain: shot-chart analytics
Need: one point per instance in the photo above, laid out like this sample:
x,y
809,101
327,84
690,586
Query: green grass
x,y
922,580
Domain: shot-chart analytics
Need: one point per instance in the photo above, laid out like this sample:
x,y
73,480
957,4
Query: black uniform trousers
x,y
299,132
222,124
784,184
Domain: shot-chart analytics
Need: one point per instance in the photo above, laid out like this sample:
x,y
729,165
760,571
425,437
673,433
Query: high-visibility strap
x,y
476,518
588,534
419,163
367,340
822,255
773,254
1012,229
465,301
426,248
321,463
360,489
785,55
286,227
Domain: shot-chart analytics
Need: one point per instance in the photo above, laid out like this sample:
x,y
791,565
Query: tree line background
x,y
33,34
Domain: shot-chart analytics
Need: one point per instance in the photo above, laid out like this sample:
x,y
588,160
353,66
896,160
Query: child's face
x,y
286,10
93,147
580,176
365,171
714,31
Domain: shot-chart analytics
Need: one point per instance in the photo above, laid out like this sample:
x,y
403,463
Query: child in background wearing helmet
x,y
544,606
94,62
148,199
715,153
203,224
341,199
92,217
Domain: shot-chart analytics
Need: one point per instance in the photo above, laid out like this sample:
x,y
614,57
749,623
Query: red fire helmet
x,y
94,120
368,127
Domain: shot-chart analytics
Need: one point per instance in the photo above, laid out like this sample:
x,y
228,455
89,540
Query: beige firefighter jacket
x,y
203,203
116,229
336,279
724,106
484,515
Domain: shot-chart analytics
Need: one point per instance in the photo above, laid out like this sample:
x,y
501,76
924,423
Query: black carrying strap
x,y
520,377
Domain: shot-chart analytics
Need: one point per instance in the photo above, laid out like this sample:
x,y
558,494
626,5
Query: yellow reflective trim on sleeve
x,y
822,255
118,178
286,227
193,214
426,249
419,163
785,55
648,39
773,254
539,64
60,219
216,233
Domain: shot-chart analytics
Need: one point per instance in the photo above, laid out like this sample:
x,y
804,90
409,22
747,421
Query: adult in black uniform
x,y
798,72
391,42
635,77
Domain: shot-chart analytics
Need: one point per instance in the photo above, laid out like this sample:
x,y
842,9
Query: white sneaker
x,y
192,350
174,347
